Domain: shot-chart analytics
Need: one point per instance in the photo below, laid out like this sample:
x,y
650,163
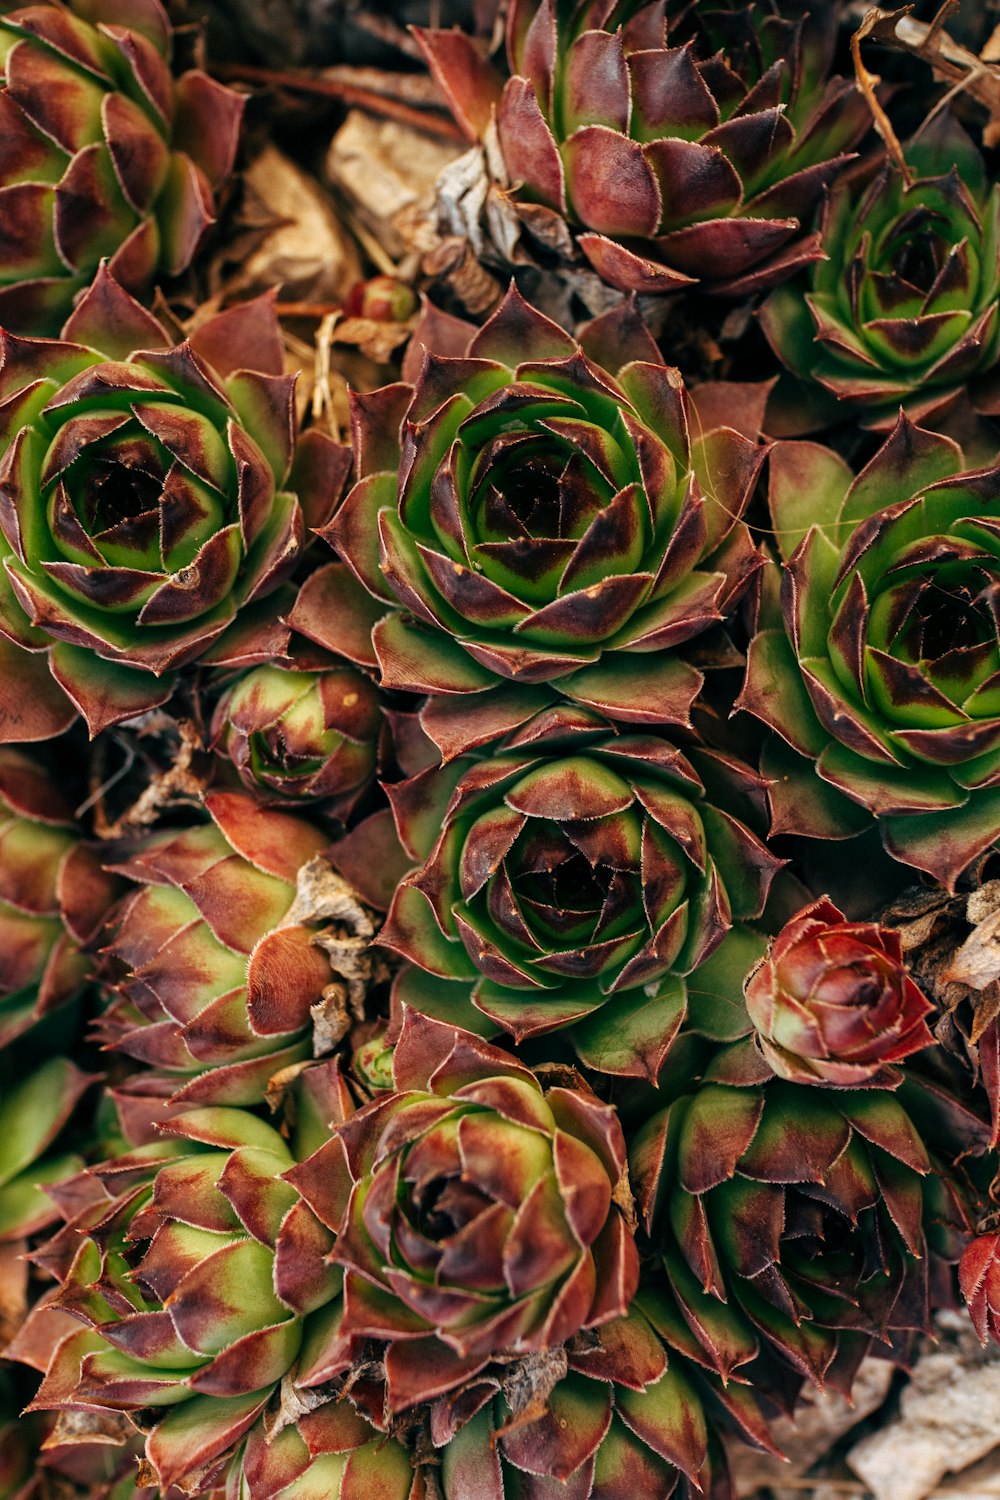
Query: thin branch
x,y
304,82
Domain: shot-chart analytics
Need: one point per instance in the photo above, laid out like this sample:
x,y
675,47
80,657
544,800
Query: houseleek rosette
x,y
627,1419
683,142
905,306
54,896
104,154
152,494
832,1001
478,1215
572,880
536,510
793,1218
301,735
200,1279
211,968
881,668
34,1150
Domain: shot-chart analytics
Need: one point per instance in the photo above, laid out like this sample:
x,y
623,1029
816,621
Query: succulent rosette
x,y
683,142
199,1278
905,306
627,1419
33,1152
151,492
214,973
478,1215
832,1001
790,1218
536,510
881,669
104,154
572,880
301,734
54,897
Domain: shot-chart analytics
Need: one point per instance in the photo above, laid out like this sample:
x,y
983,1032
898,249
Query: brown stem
x,y
349,93
867,83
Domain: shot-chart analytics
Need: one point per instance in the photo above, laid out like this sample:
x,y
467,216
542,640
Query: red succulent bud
x,y
832,1000
979,1278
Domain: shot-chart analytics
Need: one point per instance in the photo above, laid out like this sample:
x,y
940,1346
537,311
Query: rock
x,y
947,1420
981,1482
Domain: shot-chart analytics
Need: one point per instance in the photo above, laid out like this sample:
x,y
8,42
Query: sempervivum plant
x,y
571,880
881,669
478,1215
905,306
540,511
793,1217
54,896
832,1001
103,153
34,1110
198,1277
627,1419
685,142
301,734
150,493
215,979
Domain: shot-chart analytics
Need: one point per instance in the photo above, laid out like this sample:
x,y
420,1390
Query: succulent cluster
x,y
450,1045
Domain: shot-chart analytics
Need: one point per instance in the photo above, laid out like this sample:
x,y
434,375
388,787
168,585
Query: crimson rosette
x,y
542,514
152,494
880,669
833,1003
571,880
477,1214
103,153
684,142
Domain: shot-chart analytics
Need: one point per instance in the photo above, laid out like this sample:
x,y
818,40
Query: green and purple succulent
x,y
104,154
685,143
54,897
904,308
536,512
478,1216
152,495
570,881
214,969
199,1281
879,668
832,1001
302,735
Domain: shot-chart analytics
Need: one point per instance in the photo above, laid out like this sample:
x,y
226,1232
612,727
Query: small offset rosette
x,y
833,1002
